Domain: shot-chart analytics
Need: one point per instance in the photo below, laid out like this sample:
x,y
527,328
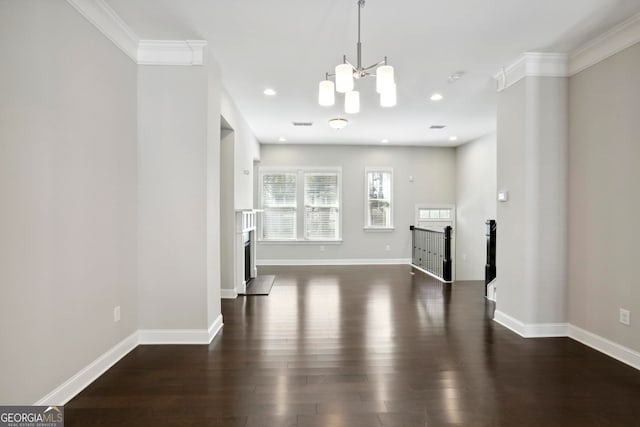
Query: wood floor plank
x,y
363,346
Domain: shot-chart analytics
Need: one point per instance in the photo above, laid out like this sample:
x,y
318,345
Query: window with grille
x,y
321,206
378,198
301,204
279,204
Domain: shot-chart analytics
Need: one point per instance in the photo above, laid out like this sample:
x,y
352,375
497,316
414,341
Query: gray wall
x,y
510,158
227,210
67,196
434,175
110,192
532,167
246,151
476,202
180,185
604,201
239,149
215,95
172,230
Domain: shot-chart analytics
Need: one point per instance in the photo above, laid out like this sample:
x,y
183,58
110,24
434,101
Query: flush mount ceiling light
x,y
455,76
437,97
338,123
269,92
345,74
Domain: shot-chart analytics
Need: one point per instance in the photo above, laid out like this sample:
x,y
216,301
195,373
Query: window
x,y
434,213
434,217
321,206
315,190
279,206
378,198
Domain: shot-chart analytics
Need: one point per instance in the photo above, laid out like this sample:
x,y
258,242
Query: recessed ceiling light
x,y
437,97
282,139
385,141
455,76
338,123
269,92
453,138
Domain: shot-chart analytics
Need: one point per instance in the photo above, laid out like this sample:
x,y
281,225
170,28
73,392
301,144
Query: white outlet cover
x,y
503,196
625,317
116,314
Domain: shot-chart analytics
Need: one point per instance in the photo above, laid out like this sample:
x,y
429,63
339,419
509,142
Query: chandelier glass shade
x,y
345,75
352,102
388,97
327,96
344,78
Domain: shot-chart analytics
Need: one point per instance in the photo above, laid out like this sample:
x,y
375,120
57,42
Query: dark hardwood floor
x,y
363,346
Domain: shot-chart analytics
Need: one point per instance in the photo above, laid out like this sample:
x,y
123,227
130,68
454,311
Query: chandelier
x,y
346,73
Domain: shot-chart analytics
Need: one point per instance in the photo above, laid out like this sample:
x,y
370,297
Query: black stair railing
x,y
490,266
432,251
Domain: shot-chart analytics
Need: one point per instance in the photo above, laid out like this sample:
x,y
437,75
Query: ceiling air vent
x,y
438,126
302,123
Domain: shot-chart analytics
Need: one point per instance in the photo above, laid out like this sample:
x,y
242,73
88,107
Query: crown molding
x,y
109,23
171,52
606,45
533,64
143,52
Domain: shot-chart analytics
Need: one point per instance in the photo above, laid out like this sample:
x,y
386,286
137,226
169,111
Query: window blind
x,y
321,206
279,205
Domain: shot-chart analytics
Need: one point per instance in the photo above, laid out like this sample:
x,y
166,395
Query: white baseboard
x,y
74,385
603,345
242,289
430,274
509,322
215,327
531,330
345,261
492,289
173,336
228,294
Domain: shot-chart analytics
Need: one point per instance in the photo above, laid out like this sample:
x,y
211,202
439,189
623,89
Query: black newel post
x,y
446,262
413,246
490,266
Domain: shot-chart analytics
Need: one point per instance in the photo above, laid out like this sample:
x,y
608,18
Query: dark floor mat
x,y
260,285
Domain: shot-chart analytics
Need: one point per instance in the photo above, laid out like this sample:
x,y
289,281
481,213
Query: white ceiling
x,y
288,45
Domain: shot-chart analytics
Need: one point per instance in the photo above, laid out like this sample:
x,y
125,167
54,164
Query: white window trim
x,y
300,205
369,228
435,206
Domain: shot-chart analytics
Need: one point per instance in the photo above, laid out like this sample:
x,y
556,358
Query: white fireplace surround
x,y
245,229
